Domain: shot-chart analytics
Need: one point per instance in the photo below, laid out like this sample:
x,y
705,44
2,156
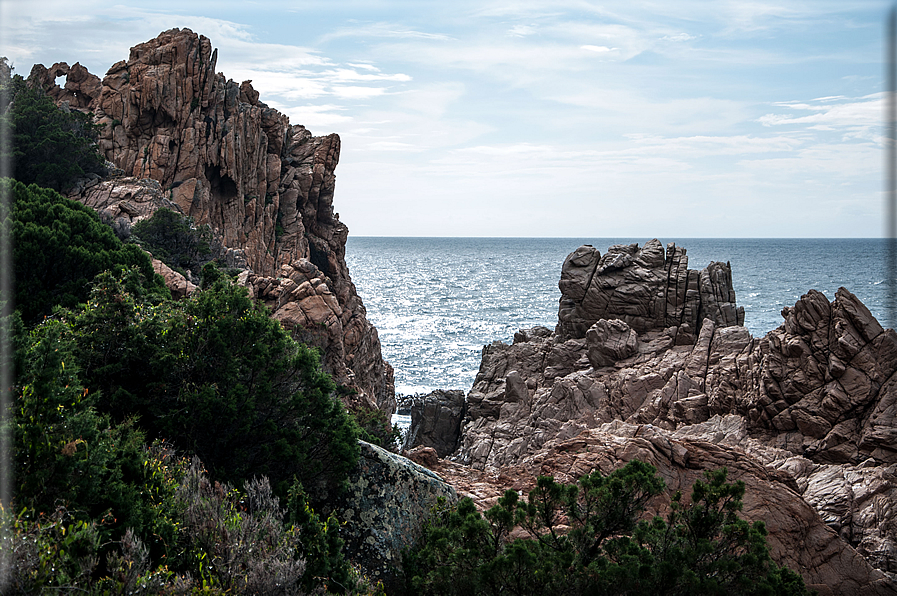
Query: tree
x,y
59,246
586,539
52,147
175,240
67,454
222,380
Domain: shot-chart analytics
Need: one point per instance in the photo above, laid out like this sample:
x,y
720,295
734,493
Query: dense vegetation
x,y
59,246
175,240
212,378
586,538
51,147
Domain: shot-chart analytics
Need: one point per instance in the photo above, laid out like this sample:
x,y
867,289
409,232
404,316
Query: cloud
x,y
861,117
521,30
598,49
678,37
320,119
384,30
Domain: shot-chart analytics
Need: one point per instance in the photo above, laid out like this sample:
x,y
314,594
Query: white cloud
x,y
355,92
384,30
861,117
678,37
598,49
521,30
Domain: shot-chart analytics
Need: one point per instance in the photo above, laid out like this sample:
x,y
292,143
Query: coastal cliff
x,y
183,136
805,416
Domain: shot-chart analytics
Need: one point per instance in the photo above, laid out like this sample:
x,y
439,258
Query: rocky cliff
x,y
806,416
265,186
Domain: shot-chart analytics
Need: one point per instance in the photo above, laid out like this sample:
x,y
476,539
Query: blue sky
x,y
545,118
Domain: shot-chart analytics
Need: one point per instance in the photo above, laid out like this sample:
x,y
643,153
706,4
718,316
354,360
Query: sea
x,y
437,301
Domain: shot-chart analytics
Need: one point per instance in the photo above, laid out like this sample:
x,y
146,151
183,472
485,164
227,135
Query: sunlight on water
x,y
437,301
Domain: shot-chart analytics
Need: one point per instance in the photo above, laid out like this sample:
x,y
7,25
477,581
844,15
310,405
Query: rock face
x,y
82,89
805,416
387,499
646,288
436,421
265,187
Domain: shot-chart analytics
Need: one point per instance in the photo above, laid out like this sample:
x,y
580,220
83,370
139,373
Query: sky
x,y
552,118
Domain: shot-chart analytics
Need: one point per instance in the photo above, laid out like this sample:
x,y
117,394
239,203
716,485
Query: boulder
x,y
174,281
383,509
610,341
648,289
436,421
809,407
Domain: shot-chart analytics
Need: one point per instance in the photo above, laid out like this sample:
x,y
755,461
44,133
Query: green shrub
x,y
174,240
586,539
66,454
219,378
59,246
51,147
48,554
376,427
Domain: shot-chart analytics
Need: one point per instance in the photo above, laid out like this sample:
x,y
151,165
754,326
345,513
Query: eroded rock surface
x,y
436,421
805,415
647,288
183,136
383,509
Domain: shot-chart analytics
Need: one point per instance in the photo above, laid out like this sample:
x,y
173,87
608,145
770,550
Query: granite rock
x,y
184,137
610,341
436,421
805,415
647,288
384,507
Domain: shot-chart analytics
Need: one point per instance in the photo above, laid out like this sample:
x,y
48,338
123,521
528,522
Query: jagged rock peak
x,y
645,287
263,185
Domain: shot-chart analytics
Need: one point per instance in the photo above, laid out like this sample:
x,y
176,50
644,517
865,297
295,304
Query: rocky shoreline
x,y
804,416
649,359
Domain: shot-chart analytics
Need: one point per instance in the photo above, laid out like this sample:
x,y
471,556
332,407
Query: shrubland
x,y
590,538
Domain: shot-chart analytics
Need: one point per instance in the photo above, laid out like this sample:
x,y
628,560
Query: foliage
x,y
59,245
65,452
228,542
219,378
175,240
586,539
52,147
375,427
321,545
48,552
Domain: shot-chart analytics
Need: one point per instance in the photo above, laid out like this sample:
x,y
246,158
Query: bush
x,y
51,147
586,539
376,427
66,454
219,378
59,246
175,240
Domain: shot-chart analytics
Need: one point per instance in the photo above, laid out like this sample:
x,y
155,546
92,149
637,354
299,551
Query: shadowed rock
x,y
387,500
436,421
806,416
646,289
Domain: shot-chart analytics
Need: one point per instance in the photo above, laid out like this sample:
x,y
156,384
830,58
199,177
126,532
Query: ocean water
x,y
437,301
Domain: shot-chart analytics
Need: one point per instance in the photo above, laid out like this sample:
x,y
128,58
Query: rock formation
x,y
387,498
82,89
805,416
645,289
185,137
436,421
